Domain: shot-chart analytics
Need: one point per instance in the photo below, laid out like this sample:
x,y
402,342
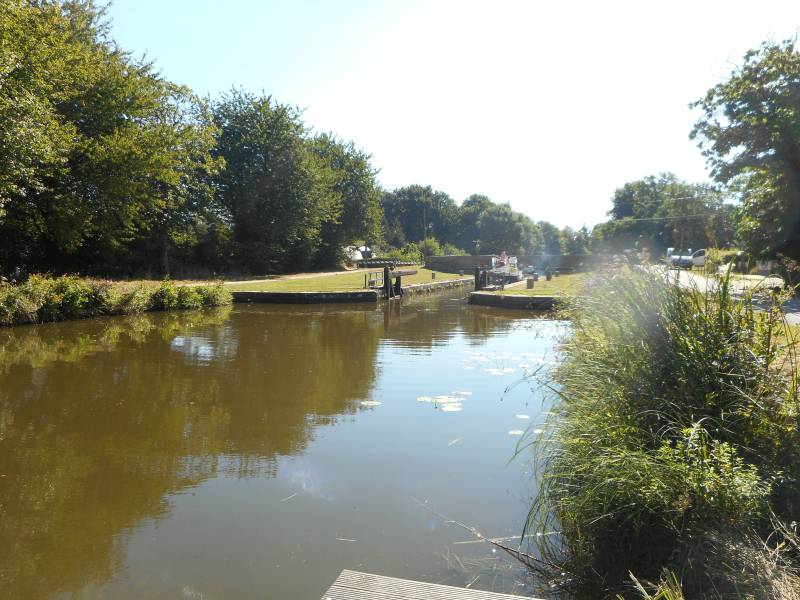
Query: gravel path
x,y
739,285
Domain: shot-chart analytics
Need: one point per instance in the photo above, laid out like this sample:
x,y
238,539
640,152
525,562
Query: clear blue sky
x,y
548,106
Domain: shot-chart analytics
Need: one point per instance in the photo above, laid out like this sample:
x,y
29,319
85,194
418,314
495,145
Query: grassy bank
x,y
673,451
339,282
42,298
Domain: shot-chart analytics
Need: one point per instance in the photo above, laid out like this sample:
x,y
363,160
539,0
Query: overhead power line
x,y
706,214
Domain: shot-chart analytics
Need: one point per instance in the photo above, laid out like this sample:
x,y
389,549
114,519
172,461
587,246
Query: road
x,y
739,285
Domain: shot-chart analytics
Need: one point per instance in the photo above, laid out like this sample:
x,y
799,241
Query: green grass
x,y
569,284
673,445
340,282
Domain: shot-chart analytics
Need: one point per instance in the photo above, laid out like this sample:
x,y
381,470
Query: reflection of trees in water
x,y
93,441
295,370
425,322
101,420
35,346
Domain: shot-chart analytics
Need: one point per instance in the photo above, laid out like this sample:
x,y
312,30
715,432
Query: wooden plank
x,y
354,585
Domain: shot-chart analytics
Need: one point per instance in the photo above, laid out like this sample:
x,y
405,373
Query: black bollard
x,y
387,282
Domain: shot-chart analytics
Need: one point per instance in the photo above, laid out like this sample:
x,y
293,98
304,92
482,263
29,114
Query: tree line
x,y
419,214
749,132
106,167
661,211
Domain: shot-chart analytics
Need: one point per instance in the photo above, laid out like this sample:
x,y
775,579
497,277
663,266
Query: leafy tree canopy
x,y
278,191
107,167
502,229
416,212
553,240
661,211
97,151
749,131
360,217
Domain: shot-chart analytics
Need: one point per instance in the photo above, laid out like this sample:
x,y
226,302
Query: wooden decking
x,y
354,585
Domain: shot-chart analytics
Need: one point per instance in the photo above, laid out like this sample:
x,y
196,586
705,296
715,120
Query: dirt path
x,y
739,285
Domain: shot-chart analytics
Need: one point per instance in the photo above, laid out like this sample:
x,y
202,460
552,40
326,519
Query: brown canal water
x,y
256,451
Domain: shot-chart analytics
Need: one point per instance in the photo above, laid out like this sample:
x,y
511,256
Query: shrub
x,y
214,295
7,303
134,301
67,297
28,298
44,298
430,247
106,298
673,421
452,250
411,252
165,297
189,297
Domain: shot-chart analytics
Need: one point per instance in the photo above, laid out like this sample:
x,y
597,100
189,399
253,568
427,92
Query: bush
x,y
452,250
67,298
43,298
674,421
430,247
411,252
29,297
8,304
214,295
104,297
165,297
189,297
132,302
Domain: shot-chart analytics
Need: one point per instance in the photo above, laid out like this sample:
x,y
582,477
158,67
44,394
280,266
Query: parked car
x,y
681,259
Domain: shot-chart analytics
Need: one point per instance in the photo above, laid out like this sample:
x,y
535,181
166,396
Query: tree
x,y
578,241
415,212
502,229
749,132
553,241
99,153
661,211
360,216
469,214
34,142
278,190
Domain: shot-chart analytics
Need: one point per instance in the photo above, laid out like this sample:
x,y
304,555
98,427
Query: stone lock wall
x,y
457,263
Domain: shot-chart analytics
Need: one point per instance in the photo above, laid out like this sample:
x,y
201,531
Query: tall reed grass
x,y
43,298
673,445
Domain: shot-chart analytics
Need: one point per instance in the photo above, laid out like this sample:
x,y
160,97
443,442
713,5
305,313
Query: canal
x,y
256,451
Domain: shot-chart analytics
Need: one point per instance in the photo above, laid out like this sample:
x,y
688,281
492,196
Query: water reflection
x,y
425,323
102,422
